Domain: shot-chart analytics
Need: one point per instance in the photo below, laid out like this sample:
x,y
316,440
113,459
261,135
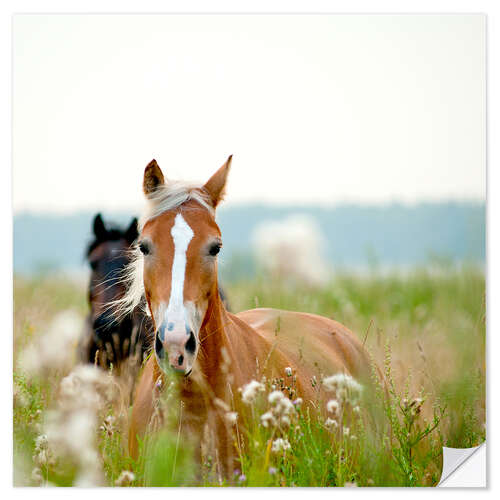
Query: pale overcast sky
x,y
315,109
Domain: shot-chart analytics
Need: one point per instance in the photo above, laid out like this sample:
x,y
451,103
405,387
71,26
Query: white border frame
x,y
9,7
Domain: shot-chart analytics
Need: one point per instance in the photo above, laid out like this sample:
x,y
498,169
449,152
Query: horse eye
x,y
215,249
144,247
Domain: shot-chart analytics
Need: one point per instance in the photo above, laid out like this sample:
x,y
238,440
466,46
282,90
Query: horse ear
x,y
99,227
216,185
153,178
131,234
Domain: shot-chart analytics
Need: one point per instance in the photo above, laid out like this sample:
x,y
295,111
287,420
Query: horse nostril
x,y
159,348
180,360
191,343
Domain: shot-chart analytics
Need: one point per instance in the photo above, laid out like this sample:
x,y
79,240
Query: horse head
x,y
179,244
108,256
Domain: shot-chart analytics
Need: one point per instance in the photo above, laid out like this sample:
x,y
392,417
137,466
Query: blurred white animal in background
x,y
291,249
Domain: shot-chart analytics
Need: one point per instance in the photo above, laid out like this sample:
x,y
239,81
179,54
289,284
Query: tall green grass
x,y
424,329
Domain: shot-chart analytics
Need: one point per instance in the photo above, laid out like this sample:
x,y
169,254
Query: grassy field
x,y
425,330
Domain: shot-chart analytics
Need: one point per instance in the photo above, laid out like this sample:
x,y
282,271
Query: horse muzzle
x,y
175,350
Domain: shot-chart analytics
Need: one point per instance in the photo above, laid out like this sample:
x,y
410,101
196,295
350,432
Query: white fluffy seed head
x,y
333,406
275,396
331,423
53,349
279,445
125,478
285,406
250,391
344,387
267,419
231,417
285,421
72,425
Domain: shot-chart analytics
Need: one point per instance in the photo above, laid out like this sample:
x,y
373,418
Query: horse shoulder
x,y
246,348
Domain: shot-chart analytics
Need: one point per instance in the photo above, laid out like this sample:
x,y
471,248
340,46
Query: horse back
x,y
310,342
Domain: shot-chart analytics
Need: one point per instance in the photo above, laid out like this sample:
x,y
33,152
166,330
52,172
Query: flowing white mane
x,y
169,196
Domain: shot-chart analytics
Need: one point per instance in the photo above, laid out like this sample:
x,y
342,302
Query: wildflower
x,y
350,485
231,417
285,421
285,406
416,405
297,403
125,478
331,424
333,406
36,476
343,385
275,397
280,411
242,478
108,425
249,391
333,382
109,420
272,471
342,394
236,472
268,419
346,431
86,387
280,444
52,350
41,458
288,371
41,442
356,409
71,427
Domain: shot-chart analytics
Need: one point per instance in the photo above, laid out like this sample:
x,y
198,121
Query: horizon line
x,y
262,203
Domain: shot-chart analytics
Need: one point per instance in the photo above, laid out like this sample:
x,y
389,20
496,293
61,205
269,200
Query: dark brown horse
x,y
108,338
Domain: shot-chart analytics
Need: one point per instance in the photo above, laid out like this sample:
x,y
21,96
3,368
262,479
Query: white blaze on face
x,y
175,315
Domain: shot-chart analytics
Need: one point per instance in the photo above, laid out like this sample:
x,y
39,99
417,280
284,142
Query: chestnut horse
x,y
195,336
